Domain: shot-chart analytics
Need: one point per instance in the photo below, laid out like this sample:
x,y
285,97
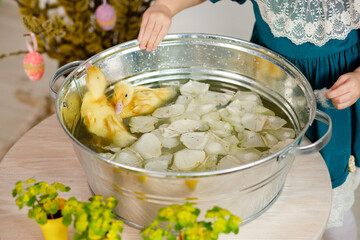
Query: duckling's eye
x,y
125,95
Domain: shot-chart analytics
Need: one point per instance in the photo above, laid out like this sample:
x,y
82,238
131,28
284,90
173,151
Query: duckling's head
x,y
95,81
123,94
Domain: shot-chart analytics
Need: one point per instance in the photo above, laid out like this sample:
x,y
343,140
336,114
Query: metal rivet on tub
x,y
64,104
281,157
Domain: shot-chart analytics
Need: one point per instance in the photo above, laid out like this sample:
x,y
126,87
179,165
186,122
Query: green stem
x,y
180,236
19,3
13,54
20,52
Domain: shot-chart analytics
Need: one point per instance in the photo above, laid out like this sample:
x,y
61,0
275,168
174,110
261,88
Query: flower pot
x,y
54,229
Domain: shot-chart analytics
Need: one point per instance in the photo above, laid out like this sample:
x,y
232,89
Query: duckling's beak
x,y
119,107
87,66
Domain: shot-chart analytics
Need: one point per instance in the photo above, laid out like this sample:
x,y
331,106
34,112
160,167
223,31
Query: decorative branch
x,y
75,35
13,54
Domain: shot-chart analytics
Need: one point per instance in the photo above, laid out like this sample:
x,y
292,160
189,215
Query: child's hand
x,y
346,90
154,26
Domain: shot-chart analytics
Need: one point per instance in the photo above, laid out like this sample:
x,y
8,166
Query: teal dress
x,y
322,66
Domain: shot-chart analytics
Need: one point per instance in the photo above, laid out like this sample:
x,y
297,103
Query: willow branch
x,y
14,54
19,3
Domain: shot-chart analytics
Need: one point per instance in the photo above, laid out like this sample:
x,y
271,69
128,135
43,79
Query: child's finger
x,y
142,28
347,97
147,33
154,35
344,105
338,91
160,37
340,81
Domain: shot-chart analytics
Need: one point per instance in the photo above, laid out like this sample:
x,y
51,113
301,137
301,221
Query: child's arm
x,y
157,19
346,90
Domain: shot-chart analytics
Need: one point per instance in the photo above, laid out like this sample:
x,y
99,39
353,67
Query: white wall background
x,y
225,17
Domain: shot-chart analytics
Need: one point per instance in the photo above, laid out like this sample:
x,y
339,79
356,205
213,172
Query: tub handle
x,y
59,73
321,142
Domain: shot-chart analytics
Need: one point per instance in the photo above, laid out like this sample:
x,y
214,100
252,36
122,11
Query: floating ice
x,y
169,111
188,159
148,146
194,88
166,142
129,157
142,124
195,140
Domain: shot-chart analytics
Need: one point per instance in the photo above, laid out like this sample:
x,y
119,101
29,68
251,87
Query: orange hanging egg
x,y
34,66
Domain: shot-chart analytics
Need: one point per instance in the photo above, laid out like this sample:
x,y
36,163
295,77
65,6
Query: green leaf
x,y
53,196
112,235
54,206
81,222
26,197
171,237
146,230
166,213
20,202
30,181
196,212
31,201
120,225
67,219
178,227
43,187
189,208
18,188
233,223
220,226
194,234
51,190
31,214
206,225
158,234
19,183
111,202
186,219
40,215
14,192
61,187
214,212
45,204
33,190
224,212
77,236
44,196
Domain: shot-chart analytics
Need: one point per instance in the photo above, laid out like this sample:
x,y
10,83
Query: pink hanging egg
x,y
34,66
105,16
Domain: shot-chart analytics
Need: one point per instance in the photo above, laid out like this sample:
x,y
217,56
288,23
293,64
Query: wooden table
x,y
46,153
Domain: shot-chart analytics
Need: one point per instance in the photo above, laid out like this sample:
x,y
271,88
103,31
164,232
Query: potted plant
x,y
183,220
45,206
94,219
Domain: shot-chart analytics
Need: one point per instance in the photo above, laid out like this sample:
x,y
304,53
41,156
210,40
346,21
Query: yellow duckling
x,y
139,100
98,113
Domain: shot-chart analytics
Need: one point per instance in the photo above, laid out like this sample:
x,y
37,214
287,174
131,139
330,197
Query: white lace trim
x,y
315,21
343,198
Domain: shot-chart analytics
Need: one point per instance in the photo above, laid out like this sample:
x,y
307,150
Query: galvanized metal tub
x,y
227,64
